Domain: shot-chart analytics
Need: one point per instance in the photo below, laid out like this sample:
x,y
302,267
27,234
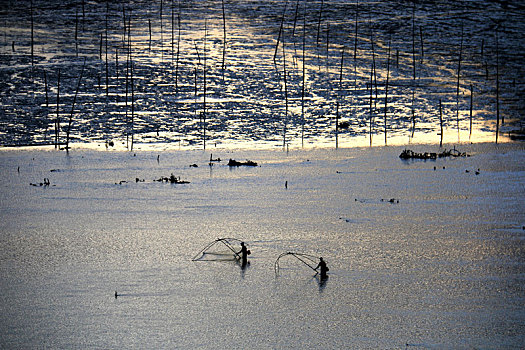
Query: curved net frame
x,y
228,252
307,259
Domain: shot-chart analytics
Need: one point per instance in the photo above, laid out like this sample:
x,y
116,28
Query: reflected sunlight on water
x,y
442,268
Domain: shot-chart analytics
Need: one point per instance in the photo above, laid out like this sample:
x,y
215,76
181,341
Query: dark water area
x,y
145,64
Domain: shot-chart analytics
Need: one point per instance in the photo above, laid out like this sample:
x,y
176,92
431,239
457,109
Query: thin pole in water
x,y
32,35
497,85
386,86
204,88
73,106
57,122
458,80
440,125
303,78
285,98
279,35
223,40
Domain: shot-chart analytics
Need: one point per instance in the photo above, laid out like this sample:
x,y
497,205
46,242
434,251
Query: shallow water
x,y
443,268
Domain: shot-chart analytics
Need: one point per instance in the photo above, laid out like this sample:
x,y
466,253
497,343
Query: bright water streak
x,y
443,268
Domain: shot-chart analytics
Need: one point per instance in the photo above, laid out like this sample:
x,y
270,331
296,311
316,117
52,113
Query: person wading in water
x,y
244,252
323,267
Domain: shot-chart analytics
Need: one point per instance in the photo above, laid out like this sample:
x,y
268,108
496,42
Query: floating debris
x,y
391,200
409,154
214,160
233,162
172,179
46,183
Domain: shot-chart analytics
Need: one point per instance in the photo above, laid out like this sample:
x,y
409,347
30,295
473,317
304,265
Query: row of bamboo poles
x,y
127,43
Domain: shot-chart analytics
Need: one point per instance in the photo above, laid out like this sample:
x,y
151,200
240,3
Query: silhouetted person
x,y
244,252
323,267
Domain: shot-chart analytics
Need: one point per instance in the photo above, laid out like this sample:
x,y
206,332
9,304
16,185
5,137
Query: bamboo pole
x,y
172,34
341,68
223,40
296,14
371,103
337,125
470,112
132,105
76,32
116,64
413,69
46,89
73,106
161,34
285,98
178,49
204,88
303,78
458,79
386,87
149,29
413,40
355,44
124,27
373,57
57,121
280,33
32,35
327,45
440,125
107,60
422,45
319,24
497,85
